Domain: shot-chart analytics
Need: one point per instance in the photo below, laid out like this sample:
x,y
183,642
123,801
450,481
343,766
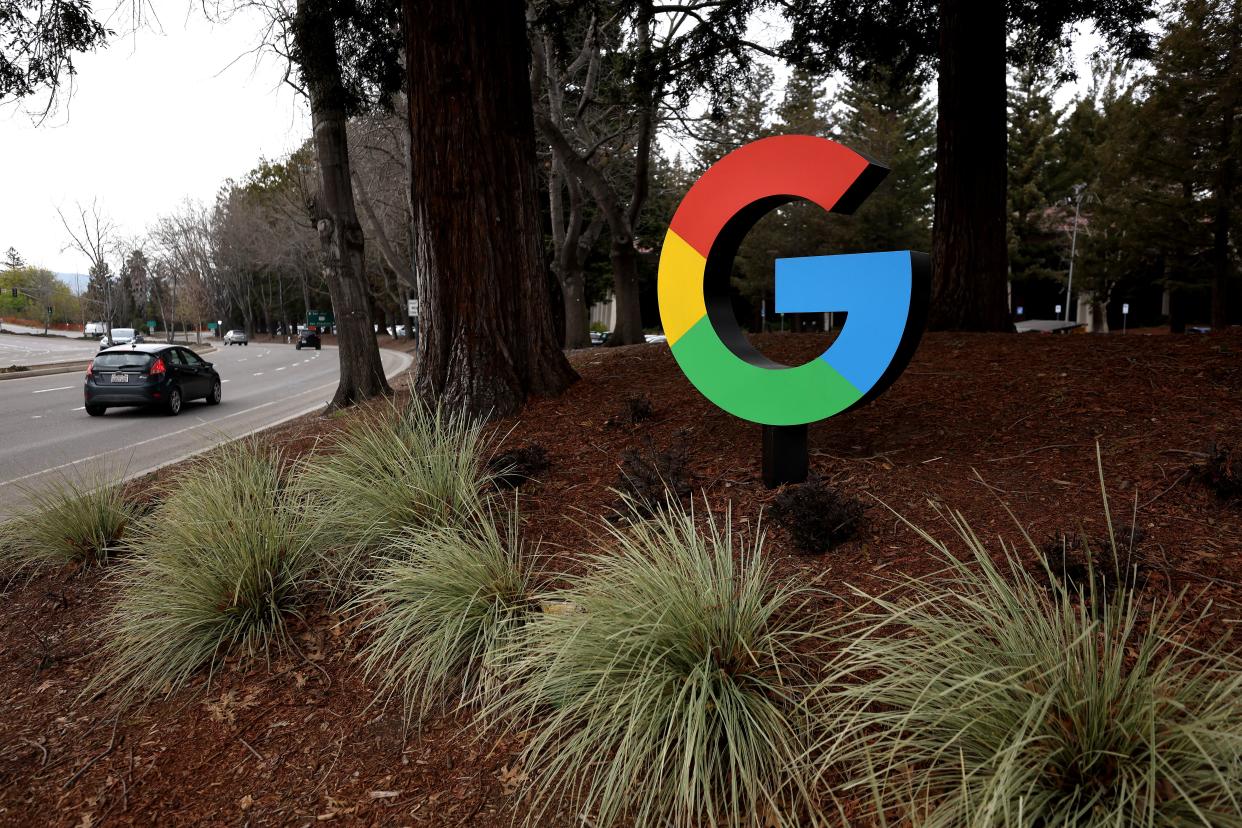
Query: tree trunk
x,y
486,341
969,247
336,219
629,327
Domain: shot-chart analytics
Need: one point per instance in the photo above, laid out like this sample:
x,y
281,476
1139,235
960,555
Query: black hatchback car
x,y
308,339
166,376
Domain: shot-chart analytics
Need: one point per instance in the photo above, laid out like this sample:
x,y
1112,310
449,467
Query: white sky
x,y
153,120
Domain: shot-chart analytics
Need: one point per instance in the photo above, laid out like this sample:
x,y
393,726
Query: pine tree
x,y
1035,241
13,260
892,121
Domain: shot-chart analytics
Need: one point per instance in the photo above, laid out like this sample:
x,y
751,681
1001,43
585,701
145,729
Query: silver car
x,y
236,338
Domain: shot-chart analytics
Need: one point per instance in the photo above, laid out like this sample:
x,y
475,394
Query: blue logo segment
x,y
874,289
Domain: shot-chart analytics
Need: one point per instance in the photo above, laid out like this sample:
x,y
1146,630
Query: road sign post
x,y
1125,314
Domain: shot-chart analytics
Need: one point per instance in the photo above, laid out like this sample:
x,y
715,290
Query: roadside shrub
x,y
652,479
638,408
73,520
975,697
410,468
817,516
1080,565
667,689
517,466
441,606
217,570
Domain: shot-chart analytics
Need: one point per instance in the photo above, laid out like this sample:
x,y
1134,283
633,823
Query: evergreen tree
x,y
13,260
890,119
1036,248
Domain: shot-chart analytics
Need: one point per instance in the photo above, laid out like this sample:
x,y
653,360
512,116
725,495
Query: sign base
x,y
785,456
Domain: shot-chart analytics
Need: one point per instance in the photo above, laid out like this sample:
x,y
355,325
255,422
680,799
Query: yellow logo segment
x,y
680,287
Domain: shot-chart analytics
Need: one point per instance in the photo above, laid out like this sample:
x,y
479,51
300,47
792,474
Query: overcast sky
x,y
153,119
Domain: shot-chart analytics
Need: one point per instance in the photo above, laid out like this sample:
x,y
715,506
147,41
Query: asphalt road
x,y
46,434
40,350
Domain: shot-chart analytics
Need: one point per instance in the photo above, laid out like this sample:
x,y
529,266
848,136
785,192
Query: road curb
x,y
48,369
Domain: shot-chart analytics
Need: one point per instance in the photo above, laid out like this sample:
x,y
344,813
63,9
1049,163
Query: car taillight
x,y
90,368
157,367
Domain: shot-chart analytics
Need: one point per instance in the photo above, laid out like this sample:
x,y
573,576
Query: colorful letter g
x,y
885,295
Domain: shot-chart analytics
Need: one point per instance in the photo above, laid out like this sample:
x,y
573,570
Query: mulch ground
x,y
986,424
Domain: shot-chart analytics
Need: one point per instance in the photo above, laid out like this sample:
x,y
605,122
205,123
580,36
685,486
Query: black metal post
x,y
785,457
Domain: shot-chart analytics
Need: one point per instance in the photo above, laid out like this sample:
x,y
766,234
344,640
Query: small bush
x,y
218,569
403,469
670,693
652,480
979,699
517,466
440,608
1221,471
638,408
1074,564
79,521
817,516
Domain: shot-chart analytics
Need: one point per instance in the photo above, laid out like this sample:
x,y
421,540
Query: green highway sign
x,y
319,318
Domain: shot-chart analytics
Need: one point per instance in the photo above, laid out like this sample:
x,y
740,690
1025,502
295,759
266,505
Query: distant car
x,y
599,337
308,339
655,338
119,336
236,338
164,376
95,329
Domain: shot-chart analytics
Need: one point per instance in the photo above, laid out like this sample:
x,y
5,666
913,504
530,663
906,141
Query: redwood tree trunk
x,y
487,341
970,257
1224,185
336,219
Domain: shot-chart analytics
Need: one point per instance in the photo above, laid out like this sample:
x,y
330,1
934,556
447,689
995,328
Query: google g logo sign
x,y
885,295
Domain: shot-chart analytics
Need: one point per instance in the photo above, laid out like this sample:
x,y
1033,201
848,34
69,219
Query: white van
x,y
95,329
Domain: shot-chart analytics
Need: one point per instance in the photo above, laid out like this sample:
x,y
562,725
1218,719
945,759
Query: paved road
x,y
45,433
40,350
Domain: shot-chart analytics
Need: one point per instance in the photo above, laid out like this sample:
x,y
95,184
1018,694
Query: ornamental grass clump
x,y
978,697
399,469
440,605
73,520
667,688
217,571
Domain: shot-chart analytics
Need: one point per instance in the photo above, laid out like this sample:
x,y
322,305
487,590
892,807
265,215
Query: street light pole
x,y
1069,285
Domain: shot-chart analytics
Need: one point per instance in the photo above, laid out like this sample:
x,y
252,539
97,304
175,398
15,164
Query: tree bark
x,y
969,248
487,339
336,219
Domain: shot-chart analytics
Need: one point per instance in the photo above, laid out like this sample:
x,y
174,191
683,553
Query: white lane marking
x,y
405,359
281,368
259,374
224,380
37,417
62,388
79,408
243,359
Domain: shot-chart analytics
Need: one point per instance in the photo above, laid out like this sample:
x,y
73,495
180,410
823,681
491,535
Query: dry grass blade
x,y
217,569
441,606
411,468
671,692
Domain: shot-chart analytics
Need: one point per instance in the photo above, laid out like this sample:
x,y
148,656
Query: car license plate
x,y
120,377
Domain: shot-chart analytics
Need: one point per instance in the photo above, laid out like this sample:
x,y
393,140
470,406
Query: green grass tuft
x,y
402,469
668,689
440,606
71,521
217,570
977,697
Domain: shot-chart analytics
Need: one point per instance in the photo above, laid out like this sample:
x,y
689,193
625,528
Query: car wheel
x,y
96,410
216,392
297,347
173,407
318,347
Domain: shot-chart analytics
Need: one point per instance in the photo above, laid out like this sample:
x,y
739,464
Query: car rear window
x,y
123,359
